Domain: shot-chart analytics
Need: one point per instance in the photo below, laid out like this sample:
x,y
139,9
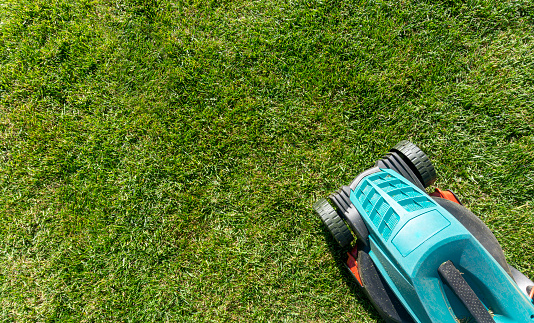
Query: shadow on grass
x,y
340,256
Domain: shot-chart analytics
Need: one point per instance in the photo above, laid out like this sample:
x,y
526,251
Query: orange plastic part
x,y
448,195
353,264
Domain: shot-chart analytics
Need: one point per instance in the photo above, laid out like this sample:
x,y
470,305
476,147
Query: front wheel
x,y
418,162
333,222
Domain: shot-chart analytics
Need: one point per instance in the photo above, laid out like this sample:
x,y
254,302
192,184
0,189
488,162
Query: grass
x,y
159,160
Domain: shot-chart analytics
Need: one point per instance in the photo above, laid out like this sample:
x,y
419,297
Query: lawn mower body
x,y
423,258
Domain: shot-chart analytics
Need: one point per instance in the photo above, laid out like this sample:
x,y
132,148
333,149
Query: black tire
x,y
418,162
333,222
341,200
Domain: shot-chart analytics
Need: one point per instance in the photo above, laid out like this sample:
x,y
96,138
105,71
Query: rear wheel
x,y
333,222
418,162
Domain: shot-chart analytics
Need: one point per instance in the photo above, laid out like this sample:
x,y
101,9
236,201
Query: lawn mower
x,y
422,257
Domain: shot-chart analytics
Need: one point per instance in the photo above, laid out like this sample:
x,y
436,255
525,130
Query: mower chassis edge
x,y
521,280
359,178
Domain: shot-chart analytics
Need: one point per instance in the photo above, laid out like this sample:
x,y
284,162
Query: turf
x,y
159,160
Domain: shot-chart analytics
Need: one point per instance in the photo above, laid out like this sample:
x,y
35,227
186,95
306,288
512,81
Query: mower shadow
x,y
340,257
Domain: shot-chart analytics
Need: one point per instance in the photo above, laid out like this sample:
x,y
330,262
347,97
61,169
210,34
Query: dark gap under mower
x,y
422,257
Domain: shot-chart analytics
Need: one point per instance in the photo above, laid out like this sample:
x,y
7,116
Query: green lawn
x,y
158,160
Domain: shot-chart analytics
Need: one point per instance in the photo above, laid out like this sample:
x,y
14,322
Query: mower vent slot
x,y
387,187
410,206
412,193
398,195
410,199
368,206
416,203
383,208
380,213
384,230
374,197
391,219
366,189
377,209
376,219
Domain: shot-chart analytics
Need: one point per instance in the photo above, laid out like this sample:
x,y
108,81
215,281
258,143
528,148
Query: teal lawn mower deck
x,y
422,257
